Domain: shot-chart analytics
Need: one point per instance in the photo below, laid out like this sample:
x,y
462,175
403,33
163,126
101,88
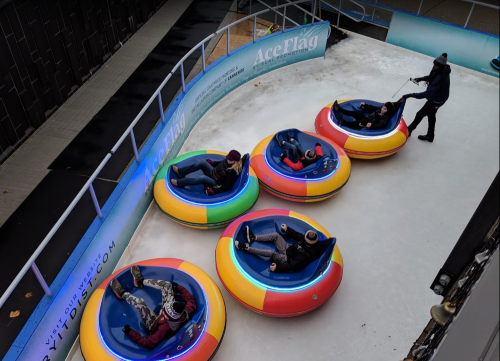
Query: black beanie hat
x,y
179,306
441,60
390,107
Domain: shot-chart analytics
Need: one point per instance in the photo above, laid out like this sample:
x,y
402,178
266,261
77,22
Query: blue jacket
x,y
438,91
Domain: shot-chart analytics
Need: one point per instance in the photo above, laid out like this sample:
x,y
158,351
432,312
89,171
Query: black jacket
x,y
438,91
227,177
301,253
378,120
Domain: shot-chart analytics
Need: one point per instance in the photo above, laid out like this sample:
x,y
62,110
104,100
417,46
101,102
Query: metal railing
x,y
472,8
339,11
130,133
387,8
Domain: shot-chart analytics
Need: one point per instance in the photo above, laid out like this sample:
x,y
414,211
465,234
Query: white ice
x,y
396,220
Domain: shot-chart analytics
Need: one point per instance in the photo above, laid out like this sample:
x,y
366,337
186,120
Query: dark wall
x,y
49,48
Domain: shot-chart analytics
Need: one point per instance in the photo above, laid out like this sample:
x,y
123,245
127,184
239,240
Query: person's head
x,y
388,108
440,61
234,160
310,154
311,237
174,310
233,156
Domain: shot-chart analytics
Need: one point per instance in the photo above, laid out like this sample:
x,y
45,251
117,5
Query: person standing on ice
x,y
437,93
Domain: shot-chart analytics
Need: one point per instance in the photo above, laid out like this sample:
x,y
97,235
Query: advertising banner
x,y
54,326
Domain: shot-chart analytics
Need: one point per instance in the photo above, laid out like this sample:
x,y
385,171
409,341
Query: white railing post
x,y
94,199
254,27
313,11
182,78
132,138
40,279
284,19
470,13
203,56
162,115
420,7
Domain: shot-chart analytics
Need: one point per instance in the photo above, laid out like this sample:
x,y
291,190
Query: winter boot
x,y
426,137
241,246
138,278
117,288
250,235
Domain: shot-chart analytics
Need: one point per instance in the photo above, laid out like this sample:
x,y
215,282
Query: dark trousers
x,y
360,118
203,179
293,149
429,110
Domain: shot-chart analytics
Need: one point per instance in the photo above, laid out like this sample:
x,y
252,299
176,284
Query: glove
x,y
401,100
126,329
282,157
209,161
174,286
318,145
416,80
209,191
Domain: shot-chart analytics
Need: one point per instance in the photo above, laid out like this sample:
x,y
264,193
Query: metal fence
x,y
375,6
130,132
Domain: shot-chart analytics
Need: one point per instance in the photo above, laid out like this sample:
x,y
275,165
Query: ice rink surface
x,y
396,220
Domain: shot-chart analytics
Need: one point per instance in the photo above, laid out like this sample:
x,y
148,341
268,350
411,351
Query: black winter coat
x,y
378,120
438,91
301,253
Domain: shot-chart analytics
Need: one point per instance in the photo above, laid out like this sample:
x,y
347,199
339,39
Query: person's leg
x,y
423,112
147,315
165,287
260,252
199,165
353,113
298,146
353,125
279,242
191,181
432,123
290,151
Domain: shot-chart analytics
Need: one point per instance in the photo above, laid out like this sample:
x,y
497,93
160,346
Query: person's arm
x,y
319,150
297,264
431,89
293,234
370,108
188,297
287,267
150,341
227,184
294,166
380,122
